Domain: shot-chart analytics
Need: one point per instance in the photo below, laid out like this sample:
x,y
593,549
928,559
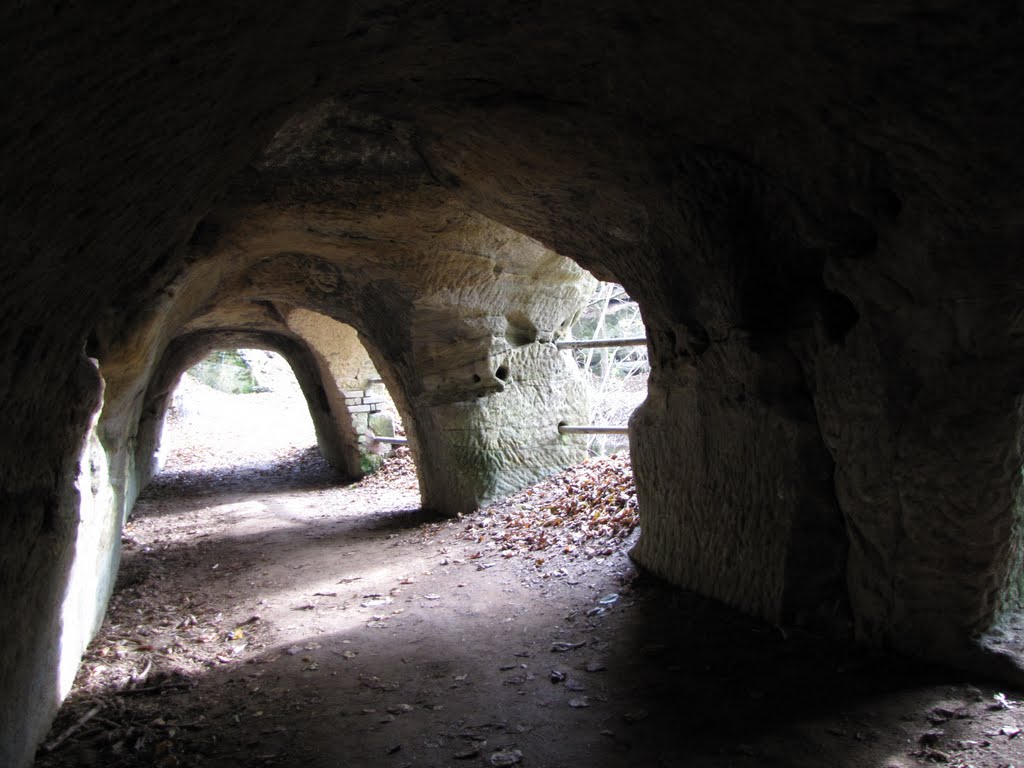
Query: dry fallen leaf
x,y
593,503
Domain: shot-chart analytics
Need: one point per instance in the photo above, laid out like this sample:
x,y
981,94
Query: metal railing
x,y
597,429
563,429
596,343
591,429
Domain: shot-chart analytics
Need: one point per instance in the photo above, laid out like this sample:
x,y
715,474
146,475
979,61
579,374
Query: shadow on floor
x,y
425,649
708,688
305,472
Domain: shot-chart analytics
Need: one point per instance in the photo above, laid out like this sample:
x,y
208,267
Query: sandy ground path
x,y
266,617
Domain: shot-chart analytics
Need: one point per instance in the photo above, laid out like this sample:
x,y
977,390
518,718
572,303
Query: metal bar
x,y
591,429
594,343
392,440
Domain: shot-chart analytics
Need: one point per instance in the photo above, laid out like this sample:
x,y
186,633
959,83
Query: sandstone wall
x,y
346,363
818,209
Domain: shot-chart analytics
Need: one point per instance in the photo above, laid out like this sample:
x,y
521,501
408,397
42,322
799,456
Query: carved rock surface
x,y
818,210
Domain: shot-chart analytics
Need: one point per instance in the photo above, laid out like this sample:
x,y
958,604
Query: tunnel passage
x,y
336,439
818,210
238,420
458,319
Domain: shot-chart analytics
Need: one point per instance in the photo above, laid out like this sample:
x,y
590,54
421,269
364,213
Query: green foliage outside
x,y
226,371
370,462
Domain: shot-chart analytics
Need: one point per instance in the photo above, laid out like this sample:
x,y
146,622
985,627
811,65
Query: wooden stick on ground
x,y
73,728
153,689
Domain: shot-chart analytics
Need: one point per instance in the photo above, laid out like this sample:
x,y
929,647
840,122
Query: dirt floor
x,y
266,617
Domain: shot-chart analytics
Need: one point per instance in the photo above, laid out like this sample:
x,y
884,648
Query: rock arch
x,y
817,209
335,438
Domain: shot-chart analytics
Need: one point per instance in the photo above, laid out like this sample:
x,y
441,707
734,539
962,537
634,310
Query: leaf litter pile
x,y
587,511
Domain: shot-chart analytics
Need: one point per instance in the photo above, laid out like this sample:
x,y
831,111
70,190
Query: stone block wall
x,y
366,409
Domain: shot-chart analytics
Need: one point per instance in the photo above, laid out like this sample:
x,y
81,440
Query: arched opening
x,y
831,436
237,409
240,416
588,510
610,347
337,443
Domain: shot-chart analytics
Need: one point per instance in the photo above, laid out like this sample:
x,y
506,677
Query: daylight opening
x,y
587,512
610,349
236,408
244,409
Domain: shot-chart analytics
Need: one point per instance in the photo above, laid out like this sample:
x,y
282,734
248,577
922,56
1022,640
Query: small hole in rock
x,y
476,378
502,372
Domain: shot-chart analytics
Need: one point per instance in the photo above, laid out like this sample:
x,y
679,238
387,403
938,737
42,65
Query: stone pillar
x,y
921,409
734,479
40,503
735,484
497,430
345,363
479,383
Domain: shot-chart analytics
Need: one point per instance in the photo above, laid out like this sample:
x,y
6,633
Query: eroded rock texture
x,y
818,210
